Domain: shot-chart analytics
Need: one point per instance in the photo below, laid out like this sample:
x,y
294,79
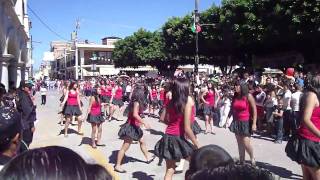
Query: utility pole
x,y
196,21
75,44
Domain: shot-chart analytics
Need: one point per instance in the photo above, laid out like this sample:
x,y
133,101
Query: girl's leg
x,y
211,124
66,125
121,153
315,173
112,109
99,133
306,173
207,123
93,135
241,149
170,166
144,149
248,147
79,119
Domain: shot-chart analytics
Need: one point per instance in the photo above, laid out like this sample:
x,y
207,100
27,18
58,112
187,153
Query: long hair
x,y
180,92
96,95
313,85
244,89
71,85
138,95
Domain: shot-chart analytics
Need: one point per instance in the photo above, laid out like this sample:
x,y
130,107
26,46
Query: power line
x,y
46,25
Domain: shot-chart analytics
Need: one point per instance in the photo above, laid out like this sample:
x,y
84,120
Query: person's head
x,y
180,92
26,87
2,90
241,89
210,85
313,85
138,95
268,80
286,85
233,172
10,128
210,156
52,162
73,86
96,93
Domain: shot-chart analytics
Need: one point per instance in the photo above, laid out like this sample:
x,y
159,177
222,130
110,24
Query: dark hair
x,y
210,156
71,85
97,172
52,162
95,94
10,126
138,95
244,89
233,172
180,92
313,85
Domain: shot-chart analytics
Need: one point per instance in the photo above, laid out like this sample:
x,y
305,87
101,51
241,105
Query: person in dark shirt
x,y
10,128
26,107
278,118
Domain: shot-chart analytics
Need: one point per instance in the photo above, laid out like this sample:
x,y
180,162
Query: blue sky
x,y
101,18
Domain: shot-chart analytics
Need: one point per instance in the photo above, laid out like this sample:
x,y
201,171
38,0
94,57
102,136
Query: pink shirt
x,y
95,109
132,120
209,97
154,93
241,109
118,93
315,119
72,99
176,122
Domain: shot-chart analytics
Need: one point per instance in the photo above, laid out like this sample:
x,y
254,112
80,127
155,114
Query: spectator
x,y
210,156
10,128
52,162
295,105
43,92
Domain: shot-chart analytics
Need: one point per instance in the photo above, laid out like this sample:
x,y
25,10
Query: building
x,y
15,49
83,59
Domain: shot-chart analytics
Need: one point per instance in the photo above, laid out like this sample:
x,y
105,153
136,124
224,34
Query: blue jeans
x,y
279,128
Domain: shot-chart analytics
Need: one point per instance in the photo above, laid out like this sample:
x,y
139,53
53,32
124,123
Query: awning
x,y
108,71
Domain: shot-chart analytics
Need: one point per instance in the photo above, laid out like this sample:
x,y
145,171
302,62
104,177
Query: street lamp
x,y
196,19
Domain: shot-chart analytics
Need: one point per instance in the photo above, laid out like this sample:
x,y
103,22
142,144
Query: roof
x,y
111,37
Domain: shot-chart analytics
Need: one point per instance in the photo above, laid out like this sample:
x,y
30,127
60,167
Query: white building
x,y
15,48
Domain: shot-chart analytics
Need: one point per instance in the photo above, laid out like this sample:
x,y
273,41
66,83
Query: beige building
x,y
83,59
15,51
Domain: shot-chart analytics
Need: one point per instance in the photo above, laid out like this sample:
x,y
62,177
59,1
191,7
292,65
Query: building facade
x,y
82,60
15,49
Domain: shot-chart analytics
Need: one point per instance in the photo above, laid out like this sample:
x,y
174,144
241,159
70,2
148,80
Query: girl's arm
x,y
90,105
79,101
310,104
187,122
253,108
65,98
202,97
137,116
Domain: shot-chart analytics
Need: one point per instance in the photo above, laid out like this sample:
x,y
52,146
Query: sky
x,y
101,18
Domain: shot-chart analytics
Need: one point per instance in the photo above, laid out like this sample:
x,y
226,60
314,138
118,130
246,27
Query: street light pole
x,y
196,19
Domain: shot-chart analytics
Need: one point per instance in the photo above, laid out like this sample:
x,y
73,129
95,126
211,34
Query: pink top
x,y
108,91
241,109
209,97
154,93
132,120
162,94
176,122
103,90
118,94
72,99
315,119
95,109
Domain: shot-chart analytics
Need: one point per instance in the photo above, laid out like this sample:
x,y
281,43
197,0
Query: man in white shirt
x,y
287,109
295,105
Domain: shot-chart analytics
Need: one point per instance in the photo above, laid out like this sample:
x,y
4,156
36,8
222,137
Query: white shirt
x,y
287,100
43,91
128,89
295,100
260,98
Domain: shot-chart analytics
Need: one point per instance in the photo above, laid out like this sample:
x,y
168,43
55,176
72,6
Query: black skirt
x,y
117,102
154,102
105,99
196,129
173,148
72,110
304,151
241,128
95,119
208,110
131,131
